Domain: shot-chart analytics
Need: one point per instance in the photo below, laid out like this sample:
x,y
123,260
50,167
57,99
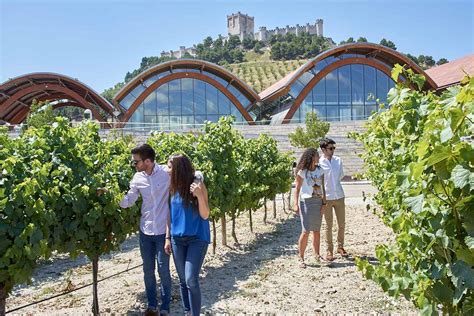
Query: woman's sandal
x,y
302,263
319,259
329,256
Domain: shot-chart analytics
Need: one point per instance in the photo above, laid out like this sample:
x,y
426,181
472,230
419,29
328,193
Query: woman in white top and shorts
x,y
310,200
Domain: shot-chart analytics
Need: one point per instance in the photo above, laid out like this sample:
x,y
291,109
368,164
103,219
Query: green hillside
x,y
260,72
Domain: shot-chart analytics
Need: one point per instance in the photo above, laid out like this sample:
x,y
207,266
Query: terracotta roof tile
x,y
452,73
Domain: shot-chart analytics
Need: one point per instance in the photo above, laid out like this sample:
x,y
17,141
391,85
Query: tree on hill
x,y
425,61
233,42
109,93
348,41
248,43
258,47
291,46
388,43
147,62
442,61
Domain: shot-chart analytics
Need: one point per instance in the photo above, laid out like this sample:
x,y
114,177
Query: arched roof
x,y
17,94
186,68
378,56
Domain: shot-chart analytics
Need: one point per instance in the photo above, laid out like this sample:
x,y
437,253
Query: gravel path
x,y
259,275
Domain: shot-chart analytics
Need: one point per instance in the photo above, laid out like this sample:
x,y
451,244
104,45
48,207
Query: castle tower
x,y
241,25
261,35
319,27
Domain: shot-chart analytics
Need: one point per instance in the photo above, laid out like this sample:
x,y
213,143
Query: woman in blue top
x,y
189,229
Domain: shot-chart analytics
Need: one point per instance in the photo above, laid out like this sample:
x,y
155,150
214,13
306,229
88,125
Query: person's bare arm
x,y
323,207
199,190
168,235
299,183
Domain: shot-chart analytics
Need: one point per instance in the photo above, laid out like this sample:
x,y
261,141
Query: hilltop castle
x,y
242,25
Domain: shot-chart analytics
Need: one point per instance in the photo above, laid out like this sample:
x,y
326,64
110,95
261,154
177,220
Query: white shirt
x,y
154,190
310,179
333,174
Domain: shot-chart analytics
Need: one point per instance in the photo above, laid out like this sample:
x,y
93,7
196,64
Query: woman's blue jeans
x,y
152,247
188,255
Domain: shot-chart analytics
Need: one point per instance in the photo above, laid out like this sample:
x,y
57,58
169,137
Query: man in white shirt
x,y
152,181
333,174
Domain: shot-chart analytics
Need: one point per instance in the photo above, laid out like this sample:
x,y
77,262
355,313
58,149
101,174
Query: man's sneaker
x,y
342,252
151,312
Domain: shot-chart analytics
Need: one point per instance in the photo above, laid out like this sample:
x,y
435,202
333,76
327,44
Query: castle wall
x,y
242,25
314,29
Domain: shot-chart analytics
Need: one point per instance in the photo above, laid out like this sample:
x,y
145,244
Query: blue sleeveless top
x,y
186,221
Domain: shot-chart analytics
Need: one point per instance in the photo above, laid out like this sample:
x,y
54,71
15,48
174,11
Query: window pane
x,y
134,118
211,99
148,82
239,118
320,110
306,107
306,78
162,99
382,86
199,119
187,96
357,73
344,75
127,101
319,66
296,116
332,113
369,109
163,122
234,91
345,113
138,90
358,112
175,97
296,88
187,121
175,122
224,104
213,118
150,120
319,93
369,85
199,97
331,88
137,115
319,99
243,100
150,104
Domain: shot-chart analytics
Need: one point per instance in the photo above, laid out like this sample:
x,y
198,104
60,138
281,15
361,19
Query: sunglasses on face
x,y
134,162
331,148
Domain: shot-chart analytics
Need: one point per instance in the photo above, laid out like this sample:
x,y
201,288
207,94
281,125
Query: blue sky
x,y
99,41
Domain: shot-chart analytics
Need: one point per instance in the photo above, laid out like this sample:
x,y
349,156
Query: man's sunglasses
x,y
134,162
331,148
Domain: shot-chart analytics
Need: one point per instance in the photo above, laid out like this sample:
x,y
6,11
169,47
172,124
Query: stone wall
x,y
314,29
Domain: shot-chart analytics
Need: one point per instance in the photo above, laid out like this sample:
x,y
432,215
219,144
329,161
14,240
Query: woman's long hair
x,y
306,159
182,176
